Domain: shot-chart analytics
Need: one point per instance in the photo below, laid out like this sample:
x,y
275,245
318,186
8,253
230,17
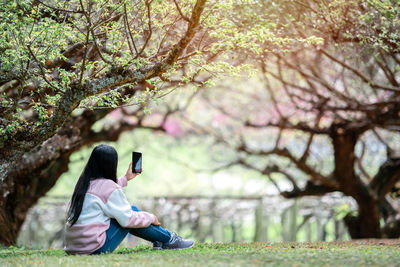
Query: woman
x,y
99,216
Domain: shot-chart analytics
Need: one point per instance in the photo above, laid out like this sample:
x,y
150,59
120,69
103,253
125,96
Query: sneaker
x,y
178,243
157,245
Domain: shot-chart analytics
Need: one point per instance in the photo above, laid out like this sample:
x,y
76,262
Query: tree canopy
x,y
316,107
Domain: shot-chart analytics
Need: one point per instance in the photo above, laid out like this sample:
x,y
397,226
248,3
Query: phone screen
x,y
136,162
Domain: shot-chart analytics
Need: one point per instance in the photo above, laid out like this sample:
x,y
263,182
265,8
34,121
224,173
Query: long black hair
x,y
102,164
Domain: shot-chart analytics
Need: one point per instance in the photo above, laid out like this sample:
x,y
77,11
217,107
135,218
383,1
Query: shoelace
x,y
174,236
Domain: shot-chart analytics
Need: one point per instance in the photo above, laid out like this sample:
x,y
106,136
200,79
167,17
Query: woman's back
x,y
88,232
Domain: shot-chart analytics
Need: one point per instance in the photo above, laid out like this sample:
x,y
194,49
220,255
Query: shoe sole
x,y
179,248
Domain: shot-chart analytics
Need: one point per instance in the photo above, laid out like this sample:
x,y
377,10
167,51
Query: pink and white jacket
x,y
103,200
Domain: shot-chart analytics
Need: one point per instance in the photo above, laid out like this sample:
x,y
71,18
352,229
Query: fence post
x,y
321,231
339,230
307,229
283,225
260,232
293,221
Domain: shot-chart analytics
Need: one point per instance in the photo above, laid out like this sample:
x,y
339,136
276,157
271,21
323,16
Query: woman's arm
x,y
118,207
123,180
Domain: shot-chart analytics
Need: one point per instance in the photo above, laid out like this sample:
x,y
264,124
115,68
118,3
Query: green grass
x,y
236,254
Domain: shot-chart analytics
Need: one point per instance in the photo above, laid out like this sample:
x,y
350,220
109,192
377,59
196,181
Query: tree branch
x,y
180,12
386,178
117,77
285,124
363,77
310,189
148,3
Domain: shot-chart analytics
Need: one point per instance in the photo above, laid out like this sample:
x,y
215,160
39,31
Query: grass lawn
x,y
234,254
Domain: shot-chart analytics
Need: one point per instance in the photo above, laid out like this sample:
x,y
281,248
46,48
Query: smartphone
x,y
136,162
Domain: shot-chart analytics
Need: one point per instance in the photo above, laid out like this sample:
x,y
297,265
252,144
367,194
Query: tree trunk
x,y
377,205
367,223
372,200
382,184
9,226
20,193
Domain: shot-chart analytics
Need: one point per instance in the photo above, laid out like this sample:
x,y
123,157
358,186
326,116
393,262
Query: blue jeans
x,y
116,233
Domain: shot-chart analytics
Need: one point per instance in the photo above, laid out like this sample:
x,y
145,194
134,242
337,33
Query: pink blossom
x,y
172,127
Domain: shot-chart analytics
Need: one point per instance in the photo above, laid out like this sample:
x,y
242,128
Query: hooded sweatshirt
x,y
104,200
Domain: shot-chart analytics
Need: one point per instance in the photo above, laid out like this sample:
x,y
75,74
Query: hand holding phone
x,y
130,174
136,162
